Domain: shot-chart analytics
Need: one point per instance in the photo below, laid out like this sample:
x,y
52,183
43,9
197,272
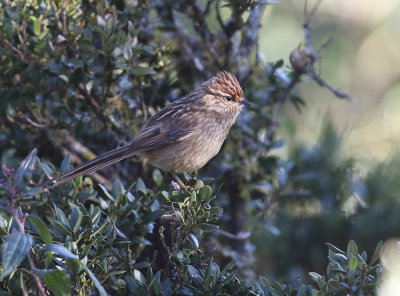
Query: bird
x,y
183,136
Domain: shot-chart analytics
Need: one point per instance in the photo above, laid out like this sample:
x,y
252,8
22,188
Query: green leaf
x,y
106,192
62,228
377,253
139,277
334,249
205,227
4,226
157,284
65,163
140,186
353,263
155,205
41,228
58,282
352,249
127,51
117,188
110,25
229,266
33,191
36,27
75,218
60,250
193,197
26,167
205,193
15,247
152,216
101,228
315,276
157,177
193,272
47,170
194,240
131,284
63,219
138,70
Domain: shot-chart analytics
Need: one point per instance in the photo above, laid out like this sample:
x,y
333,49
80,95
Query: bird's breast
x,y
195,150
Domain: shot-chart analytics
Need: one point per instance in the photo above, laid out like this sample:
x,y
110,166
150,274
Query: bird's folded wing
x,y
146,140
155,138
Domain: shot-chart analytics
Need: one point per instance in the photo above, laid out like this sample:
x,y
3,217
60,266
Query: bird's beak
x,y
245,102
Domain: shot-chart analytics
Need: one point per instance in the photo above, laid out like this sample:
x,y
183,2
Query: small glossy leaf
x,y
76,218
315,276
106,192
41,228
127,51
26,167
139,277
334,249
140,186
194,240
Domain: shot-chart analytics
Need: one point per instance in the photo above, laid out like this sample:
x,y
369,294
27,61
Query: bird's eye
x,y
228,98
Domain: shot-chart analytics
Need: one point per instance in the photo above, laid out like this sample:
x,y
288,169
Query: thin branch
x,y
14,50
219,18
313,55
35,124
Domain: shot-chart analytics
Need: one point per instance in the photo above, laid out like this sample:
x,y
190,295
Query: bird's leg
x,y
179,181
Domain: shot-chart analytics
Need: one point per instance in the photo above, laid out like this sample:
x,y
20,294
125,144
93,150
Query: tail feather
x,y
90,166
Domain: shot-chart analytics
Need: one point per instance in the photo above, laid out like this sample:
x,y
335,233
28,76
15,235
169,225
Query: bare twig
x,y
14,50
219,18
311,56
35,124
88,96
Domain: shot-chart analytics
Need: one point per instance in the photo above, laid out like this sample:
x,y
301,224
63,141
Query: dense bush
x,y
80,77
75,234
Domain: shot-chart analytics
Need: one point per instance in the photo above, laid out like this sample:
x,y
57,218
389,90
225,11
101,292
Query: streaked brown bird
x,y
183,136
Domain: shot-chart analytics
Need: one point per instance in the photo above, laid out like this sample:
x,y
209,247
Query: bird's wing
x,y
153,138
147,139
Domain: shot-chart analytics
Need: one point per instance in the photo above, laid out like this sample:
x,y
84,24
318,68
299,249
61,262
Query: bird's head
x,y
225,90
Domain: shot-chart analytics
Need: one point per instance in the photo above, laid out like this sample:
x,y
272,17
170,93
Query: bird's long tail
x,y
90,166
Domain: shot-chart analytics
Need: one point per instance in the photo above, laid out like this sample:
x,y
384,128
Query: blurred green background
x,y
363,59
